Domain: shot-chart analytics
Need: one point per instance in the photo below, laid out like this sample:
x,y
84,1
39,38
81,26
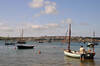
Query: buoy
x,y
15,48
39,52
54,47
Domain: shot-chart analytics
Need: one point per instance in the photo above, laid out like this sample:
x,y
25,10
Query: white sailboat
x,y
76,54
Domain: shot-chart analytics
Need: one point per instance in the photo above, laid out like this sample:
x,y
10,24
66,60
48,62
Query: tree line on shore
x,y
53,38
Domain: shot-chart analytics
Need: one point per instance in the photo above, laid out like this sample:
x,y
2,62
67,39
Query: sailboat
x,y
8,41
75,54
22,46
92,43
21,41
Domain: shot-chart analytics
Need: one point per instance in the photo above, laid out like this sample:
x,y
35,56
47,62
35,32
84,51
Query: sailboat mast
x,y
93,37
22,34
69,37
93,41
93,34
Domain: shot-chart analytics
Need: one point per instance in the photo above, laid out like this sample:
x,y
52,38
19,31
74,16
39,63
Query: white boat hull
x,y
71,54
75,55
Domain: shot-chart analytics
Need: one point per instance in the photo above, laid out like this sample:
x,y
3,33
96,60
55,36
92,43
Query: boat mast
x,y
69,37
21,35
93,37
93,41
93,34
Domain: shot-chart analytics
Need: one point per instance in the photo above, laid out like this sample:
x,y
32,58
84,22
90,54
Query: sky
x,y
49,17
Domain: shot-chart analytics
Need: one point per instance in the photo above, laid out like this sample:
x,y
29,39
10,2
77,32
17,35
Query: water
x,y
51,55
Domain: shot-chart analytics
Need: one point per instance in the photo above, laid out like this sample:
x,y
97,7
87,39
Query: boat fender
x,y
15,48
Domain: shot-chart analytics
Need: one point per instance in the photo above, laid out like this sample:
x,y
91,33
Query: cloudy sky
x,y
49,17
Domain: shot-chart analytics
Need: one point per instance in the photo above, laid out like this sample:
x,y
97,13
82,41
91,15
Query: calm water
x,y
51,55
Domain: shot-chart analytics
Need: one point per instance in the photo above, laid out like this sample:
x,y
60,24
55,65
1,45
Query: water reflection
x,y
87,63
77,62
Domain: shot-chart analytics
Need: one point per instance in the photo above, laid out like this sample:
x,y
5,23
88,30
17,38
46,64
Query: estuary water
x,y
51,55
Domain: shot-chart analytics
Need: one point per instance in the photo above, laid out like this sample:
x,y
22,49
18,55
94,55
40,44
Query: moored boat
x,y
25,46
21,41
71,54
9,43
92,43
76,54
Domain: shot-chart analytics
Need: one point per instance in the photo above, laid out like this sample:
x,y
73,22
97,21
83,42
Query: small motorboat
x,y
91,44
25,46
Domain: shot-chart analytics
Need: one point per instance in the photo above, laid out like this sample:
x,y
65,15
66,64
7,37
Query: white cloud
x,y
36,3
4,26
52,25
31,29
50,3
50,9
41,27
5,29
45,26
36,26
48,6
68,21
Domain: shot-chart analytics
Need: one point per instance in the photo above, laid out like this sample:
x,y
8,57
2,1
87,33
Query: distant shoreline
x,y
53,38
